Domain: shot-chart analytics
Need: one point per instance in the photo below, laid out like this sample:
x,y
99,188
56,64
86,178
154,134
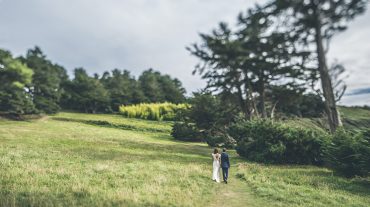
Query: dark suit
x,y
225,165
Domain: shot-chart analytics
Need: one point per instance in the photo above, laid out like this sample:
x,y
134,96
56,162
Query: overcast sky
x,y
140,34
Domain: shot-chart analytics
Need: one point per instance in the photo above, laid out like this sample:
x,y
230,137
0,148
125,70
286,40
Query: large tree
x,y
122,88
86,94
159,88
246,62
46,82
14,79
315,22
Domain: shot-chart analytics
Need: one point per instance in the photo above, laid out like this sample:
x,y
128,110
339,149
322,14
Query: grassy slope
x,y
90,160
352,118
355,118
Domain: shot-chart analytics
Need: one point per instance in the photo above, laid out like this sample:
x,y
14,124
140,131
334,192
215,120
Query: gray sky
x,y
140,34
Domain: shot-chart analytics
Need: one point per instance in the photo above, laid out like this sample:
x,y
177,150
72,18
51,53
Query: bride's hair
x,y
215,151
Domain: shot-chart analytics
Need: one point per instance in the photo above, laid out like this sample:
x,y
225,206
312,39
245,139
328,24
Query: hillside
x,y
353,118
73,159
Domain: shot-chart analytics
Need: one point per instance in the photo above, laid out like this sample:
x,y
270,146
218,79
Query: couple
x,y
220,160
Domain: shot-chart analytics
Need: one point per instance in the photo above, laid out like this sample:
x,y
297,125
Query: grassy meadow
x,y
73,159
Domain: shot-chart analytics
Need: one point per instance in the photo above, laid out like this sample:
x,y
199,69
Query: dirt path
x,y
234,194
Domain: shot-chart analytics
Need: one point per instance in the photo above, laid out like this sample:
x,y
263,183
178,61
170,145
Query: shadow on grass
x,y
101,123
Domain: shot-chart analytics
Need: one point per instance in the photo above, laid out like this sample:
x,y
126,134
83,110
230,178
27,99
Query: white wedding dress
x,y
216,167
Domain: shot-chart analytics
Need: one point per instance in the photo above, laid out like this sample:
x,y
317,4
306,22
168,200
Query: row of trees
x,y
33,84
282,43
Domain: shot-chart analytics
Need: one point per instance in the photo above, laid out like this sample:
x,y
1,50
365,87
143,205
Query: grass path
x,y
234,194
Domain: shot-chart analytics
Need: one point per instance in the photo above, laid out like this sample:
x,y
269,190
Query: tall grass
x,y
153,111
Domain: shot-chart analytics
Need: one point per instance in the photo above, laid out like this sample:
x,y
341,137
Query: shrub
x,y
293,101
186,132
219,138
208,111
153,111
349,153
264,141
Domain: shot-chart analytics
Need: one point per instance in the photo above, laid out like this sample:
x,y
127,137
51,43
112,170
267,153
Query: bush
x,y
211,115
264,141
293,101
154,111
186,132
219,138
349,154
208,111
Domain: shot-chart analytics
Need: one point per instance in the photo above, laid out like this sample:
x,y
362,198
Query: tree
x,y
172,89
86,93
220,66
14,77
247,61
151,87
293,100
159,88
47,80
269,54
315,22
121,86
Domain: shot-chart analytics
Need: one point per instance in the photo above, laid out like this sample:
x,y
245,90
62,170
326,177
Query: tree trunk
x,y
262,97
251,104
330,105
243,104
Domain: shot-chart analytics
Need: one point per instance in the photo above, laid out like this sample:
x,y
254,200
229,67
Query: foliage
x,y
154,111
265,141
122,87
247,61
210,114
217,137
46,87
41,86
14,78
293,101
204,111
349,153
209,111
86,94
186,132
160,88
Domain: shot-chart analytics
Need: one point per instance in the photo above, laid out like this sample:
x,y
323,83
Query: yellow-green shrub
x,y
153,111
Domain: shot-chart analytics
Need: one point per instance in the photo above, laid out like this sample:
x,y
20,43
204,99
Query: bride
x,y
216,166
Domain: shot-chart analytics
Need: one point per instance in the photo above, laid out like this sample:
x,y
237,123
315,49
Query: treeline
x,y
33,84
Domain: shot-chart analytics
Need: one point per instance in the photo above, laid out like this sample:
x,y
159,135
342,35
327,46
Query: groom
x,y
225,164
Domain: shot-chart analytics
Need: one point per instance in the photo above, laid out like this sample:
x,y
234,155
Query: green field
x,y
73,159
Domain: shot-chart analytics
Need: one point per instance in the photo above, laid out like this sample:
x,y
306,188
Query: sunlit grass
x,y
64,160
53,162
303,186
